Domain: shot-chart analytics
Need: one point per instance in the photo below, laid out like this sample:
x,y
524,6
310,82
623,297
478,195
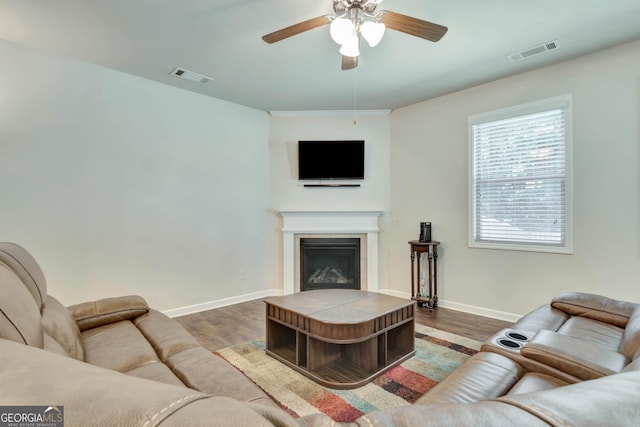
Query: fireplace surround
x,y
329,224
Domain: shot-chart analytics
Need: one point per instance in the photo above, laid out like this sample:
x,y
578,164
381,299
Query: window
x,y
520,178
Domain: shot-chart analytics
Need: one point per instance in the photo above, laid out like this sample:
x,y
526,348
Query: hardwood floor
x,y
235,324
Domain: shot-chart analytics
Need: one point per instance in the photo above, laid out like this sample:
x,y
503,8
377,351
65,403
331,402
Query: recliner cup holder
x,y
510,344
517,336
512,339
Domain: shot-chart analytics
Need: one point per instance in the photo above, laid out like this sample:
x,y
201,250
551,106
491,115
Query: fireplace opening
x,y
329,263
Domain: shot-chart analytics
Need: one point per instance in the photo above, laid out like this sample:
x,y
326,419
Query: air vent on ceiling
x,y
190,75
536,50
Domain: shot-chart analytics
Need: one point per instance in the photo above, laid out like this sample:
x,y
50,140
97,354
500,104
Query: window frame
x,y
562,101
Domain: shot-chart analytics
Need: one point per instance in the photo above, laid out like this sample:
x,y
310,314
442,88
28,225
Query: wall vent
x,y
532,51
190,75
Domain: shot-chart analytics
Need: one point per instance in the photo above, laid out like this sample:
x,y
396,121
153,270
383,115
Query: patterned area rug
x,y
438,353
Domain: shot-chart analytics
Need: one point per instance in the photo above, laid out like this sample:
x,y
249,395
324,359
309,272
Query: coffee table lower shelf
x,y
341,364
339,374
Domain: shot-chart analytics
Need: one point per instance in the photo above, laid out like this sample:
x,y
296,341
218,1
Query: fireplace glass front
x,y
329,263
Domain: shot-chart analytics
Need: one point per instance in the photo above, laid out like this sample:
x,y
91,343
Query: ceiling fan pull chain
x,y
355,96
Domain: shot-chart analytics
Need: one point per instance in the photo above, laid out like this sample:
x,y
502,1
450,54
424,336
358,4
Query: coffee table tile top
x,y
382,304
340,306
300,302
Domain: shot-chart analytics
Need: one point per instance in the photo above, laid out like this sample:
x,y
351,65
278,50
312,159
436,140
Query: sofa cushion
x,y
595,307
58,325
601,402
119,346
202,371
481,414
603,334
20,319
195,366
156,371
158,348
534,381
544,317
166,336
484,376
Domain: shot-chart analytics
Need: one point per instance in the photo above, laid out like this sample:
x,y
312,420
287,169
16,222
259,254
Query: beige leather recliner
x,y
559,367
576,337
121,334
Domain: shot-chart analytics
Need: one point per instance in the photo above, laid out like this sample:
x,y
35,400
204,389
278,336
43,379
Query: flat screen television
x,y
330,159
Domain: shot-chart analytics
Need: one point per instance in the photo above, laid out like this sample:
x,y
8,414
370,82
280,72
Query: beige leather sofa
x,y
120,334
116,362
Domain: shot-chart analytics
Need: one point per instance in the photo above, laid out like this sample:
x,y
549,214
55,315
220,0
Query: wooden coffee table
x,y
340,338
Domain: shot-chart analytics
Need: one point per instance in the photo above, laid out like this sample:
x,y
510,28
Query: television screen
x,y
331,159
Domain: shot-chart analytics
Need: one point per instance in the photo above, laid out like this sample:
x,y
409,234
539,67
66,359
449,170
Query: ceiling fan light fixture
x,y
355,18
350,47
341,29
372,32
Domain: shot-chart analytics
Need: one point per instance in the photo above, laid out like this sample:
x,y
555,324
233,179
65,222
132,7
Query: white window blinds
x,y
519,193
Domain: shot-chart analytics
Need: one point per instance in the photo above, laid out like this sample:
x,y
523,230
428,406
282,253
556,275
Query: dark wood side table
x,y
430,249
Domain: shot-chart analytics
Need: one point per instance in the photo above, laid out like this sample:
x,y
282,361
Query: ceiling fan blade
x,y
349,62
298,28
414,26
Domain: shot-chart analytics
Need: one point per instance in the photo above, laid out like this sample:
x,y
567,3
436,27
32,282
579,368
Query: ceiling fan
x,y
355,18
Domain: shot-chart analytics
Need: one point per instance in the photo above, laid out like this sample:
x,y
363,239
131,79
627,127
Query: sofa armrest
x,y
579,358
485,375
92,314
544,317
595,307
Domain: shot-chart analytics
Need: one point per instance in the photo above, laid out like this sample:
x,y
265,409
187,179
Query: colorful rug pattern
x,y
438,353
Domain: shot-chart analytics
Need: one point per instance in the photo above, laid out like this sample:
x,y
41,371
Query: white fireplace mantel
x,y
329,222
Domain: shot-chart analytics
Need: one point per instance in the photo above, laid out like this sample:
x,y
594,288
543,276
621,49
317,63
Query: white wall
x,y
288,193
121,185
429,183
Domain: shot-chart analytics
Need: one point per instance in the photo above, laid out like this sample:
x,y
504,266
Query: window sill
x,y
566,250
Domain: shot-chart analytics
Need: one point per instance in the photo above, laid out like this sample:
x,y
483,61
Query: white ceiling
x,y
221,39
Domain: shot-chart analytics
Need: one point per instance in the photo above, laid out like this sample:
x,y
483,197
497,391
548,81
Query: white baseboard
x,y
480,311
196,308
465,308
395,293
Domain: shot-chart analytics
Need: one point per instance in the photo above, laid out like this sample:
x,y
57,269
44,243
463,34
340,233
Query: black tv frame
x,y
316,161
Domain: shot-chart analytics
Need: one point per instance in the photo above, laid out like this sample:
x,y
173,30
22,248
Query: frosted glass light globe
x,y
372,32
341,29
350,47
